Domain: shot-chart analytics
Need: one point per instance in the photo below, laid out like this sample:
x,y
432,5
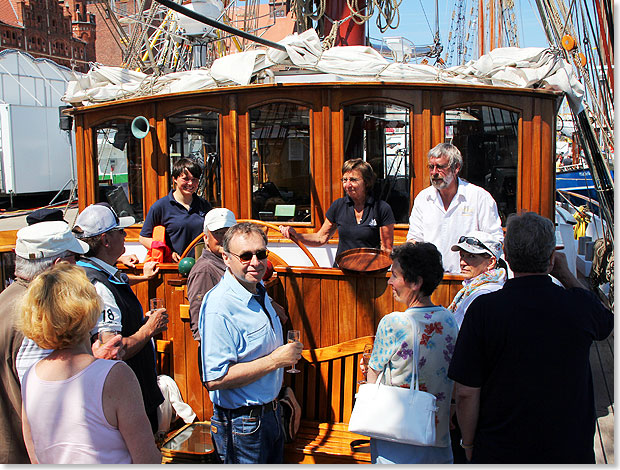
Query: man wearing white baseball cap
x,y
210,267
38,247
104,232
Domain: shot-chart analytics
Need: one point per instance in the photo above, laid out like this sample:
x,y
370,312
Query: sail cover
x,y
509,67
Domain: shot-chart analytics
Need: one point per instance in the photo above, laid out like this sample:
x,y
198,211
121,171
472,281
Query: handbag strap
x,y
415,358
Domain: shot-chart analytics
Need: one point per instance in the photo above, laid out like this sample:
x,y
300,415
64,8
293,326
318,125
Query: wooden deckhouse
x,y
274,153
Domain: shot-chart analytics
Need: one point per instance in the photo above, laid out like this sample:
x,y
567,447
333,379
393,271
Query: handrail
x,y
297,242
266,224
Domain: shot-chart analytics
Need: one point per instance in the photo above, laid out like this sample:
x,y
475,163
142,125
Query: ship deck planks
x,y
602,363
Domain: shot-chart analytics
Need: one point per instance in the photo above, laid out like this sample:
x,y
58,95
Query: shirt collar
x,y
109,269
528,281
460,191
233,283
370,200
172,200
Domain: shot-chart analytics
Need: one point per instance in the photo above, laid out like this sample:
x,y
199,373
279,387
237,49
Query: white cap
x,y
472,244
219,218
100,218
47,239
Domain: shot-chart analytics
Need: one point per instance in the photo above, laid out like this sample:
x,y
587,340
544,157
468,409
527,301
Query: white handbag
x,y
395,413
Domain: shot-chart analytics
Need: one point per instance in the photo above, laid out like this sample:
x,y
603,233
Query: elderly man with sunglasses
x,y
243,354
450,207
103,231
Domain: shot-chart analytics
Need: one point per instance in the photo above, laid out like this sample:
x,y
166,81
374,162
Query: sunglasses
x,y
474,242
247,256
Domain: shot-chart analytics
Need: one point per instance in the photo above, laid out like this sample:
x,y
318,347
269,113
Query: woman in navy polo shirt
x,y
361,220
181,212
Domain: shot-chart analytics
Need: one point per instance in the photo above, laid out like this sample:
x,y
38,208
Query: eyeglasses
x,y
122,230
432,166
474,242
352,180
247,256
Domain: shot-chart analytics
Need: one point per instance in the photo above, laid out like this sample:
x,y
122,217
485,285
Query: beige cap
x,y
47,239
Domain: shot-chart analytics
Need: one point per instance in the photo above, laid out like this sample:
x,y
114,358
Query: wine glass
x,y
156,303
365,359
293,336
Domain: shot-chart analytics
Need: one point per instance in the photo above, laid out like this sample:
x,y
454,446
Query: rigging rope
x,y
388,15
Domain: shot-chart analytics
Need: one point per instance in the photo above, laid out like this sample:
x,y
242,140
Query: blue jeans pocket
x,y
245,425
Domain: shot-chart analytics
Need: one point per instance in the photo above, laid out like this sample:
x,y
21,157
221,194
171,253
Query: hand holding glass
x,y
155,304
105,333
292,337
364,362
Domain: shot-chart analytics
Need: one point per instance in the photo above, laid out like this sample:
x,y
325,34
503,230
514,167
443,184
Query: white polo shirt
x,y
472,208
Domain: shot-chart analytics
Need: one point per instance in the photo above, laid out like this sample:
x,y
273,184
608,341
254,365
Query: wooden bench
x,y
325,388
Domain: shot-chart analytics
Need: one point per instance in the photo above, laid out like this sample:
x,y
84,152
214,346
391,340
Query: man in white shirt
x,y
450,207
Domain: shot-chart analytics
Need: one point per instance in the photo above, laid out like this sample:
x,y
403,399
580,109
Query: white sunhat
x,y
478,242
47,239
99,218
219,218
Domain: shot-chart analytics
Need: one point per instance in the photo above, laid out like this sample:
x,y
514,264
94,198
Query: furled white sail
x,y
512,67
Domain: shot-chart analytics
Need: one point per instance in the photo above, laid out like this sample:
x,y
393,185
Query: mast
x,y
560,32
350,32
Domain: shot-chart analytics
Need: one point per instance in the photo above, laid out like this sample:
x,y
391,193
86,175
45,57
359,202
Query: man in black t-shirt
x,y
521,361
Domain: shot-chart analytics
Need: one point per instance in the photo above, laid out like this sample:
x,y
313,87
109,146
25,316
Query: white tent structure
x,y
35,154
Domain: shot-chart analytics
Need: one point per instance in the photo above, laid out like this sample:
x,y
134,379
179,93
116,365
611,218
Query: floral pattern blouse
x,y
393,347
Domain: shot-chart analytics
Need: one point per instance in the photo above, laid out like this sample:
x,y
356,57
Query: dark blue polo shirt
x,y
182,226
365,234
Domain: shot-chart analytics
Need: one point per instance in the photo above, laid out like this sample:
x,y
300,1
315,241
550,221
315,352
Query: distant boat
x,y
577,179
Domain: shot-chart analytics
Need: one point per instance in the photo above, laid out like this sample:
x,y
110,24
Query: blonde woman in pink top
x,y
75,408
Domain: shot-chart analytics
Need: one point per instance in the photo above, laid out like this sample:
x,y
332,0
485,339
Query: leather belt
x,y
251,410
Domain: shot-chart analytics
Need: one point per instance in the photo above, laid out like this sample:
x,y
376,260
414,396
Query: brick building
x,y
52,29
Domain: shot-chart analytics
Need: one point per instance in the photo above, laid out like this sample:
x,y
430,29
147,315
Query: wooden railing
x,y
325,304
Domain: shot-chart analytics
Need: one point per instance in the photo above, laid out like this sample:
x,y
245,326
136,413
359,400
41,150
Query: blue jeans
x,y
241,436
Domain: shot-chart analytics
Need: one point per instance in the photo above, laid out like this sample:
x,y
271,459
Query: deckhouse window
x,y
280,145
488,140
119,168
195,134
379,133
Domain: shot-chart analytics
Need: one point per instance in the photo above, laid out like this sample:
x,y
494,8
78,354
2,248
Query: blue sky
x,y
414,25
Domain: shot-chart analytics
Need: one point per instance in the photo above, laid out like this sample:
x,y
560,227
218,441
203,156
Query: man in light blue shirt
x,y
243,354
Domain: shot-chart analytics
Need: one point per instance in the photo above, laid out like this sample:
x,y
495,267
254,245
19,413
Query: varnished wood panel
x,y
330,306
365,312
347,302
311,335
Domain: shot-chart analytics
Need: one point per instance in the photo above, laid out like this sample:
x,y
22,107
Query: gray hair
x,y
243,228
529,242
28,269
450,151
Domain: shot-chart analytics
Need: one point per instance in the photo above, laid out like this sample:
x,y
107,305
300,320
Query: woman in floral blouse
x,y
416,273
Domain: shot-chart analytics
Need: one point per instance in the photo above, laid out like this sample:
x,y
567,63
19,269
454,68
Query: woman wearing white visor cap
x,y
483,268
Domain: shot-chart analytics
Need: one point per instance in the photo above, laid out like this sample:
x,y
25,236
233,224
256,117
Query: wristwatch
x,y
465,446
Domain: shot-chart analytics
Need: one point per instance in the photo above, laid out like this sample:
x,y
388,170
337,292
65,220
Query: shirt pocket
x,y
257,336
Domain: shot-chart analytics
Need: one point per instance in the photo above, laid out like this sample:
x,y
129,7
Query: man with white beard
x,y
451,207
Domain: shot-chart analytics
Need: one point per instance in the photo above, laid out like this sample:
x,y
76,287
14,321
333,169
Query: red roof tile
x,y
8,12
